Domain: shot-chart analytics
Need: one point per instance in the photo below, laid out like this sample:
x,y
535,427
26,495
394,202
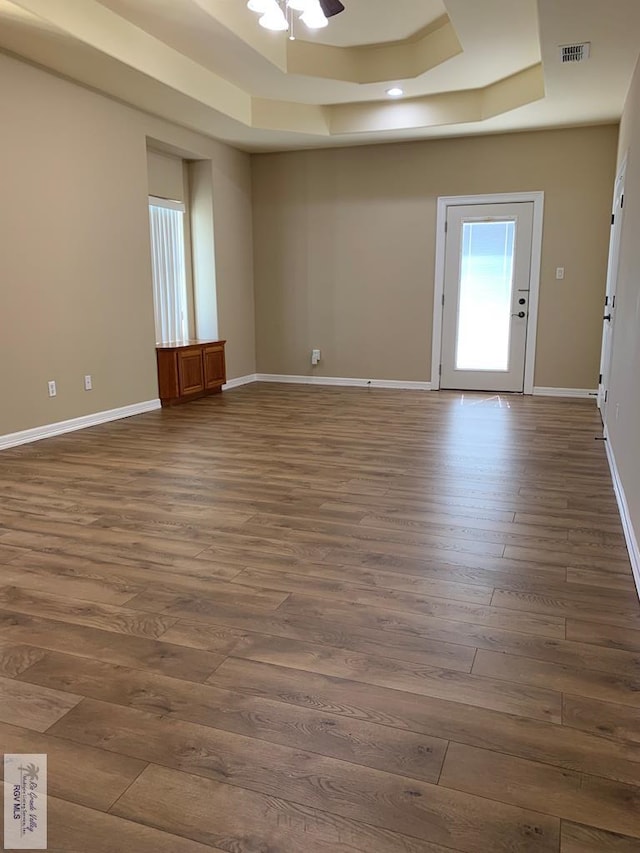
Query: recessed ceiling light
x,y
395,92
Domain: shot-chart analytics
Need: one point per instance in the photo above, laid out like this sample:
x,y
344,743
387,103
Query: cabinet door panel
x,y
214,367
168,384
190,371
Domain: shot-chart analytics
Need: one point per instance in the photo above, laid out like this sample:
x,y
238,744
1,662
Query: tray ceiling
x,y
465,67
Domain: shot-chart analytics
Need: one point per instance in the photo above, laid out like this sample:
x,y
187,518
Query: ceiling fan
x,y
278,14
331,7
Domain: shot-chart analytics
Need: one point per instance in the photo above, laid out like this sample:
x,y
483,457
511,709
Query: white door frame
x,y
612,286
444,202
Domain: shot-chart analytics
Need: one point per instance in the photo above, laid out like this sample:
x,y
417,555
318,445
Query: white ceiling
x,y
368,22
466,66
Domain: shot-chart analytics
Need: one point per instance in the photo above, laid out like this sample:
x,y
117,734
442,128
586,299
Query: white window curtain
x,y
168,265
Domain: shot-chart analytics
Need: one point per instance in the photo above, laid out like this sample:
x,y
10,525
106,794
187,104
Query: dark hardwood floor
x,y
318,620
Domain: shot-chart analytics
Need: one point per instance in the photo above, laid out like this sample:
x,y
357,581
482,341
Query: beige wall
x,y
204,257
166,176
344,244
75,277
233,217
623,407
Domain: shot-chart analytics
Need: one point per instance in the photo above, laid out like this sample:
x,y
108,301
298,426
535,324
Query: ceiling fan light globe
x,y
314,23
274,20
260,6
297,5
313,16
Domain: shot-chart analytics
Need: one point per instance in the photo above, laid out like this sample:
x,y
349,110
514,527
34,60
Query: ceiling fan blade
x,y
331,7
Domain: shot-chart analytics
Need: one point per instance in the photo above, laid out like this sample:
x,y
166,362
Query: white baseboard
x,y
241,380
541,391
13,439
627,525
344,382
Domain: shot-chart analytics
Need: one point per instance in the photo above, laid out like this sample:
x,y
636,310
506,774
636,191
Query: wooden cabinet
x,y
190,369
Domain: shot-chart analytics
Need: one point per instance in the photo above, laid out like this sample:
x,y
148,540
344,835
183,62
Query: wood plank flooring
x,y
318,620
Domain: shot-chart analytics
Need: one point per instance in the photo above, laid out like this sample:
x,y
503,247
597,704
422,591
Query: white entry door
x,y
610,297
486,296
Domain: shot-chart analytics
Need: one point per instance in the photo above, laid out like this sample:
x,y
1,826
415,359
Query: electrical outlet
x,y
315,356
559,273
52,388
88,383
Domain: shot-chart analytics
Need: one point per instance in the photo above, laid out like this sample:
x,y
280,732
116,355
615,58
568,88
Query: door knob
x,y
519,314
607,317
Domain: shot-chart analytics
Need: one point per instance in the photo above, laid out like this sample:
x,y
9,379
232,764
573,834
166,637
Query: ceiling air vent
x,y
575,52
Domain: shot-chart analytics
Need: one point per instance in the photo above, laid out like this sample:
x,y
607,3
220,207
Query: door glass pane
x,y
486,286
